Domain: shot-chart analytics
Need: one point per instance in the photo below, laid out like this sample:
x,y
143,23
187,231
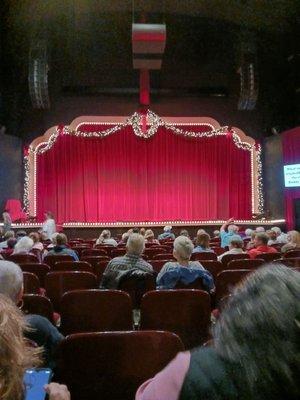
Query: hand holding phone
x,y
34,381
57,392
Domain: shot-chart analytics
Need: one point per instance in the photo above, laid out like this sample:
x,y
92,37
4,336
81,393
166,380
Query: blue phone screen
x,y
34,381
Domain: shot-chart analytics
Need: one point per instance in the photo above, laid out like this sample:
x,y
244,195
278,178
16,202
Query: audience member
x,y
259,229
142,231
168,234
61,247
53,240
248,233
183,270
8,235
216,234
20,234
37,244
118,267
293,238
261,245
236,245
6,221
49,226
255,350
105,238
184,232
202,244
226,231
281,236
42,331
272,237
250,245
149,237
23,246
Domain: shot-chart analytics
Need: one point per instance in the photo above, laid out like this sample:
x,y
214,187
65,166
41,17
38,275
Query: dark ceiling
x,y
89,49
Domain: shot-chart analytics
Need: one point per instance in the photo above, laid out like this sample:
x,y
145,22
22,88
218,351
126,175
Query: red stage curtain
x,y
123,177
291,155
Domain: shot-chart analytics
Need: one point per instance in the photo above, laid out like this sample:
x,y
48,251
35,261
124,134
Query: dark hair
x,y
259,331
203,240
50,214
135,230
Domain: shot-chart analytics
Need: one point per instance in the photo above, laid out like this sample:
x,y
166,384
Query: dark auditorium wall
x,y
273,176
11,169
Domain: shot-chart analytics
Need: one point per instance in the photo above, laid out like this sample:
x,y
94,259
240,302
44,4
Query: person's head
x,y
11,243
253,234
1,231
183,248
11,281
259,329
16,354
35,236
149,234
125,237
49,215
236,242
200,231
271,234
167,228
61,239
24,245
202,240
135,230
277,230
261,239
184,232
216,233
53,238
20,234
248,232
105,234
259,229
9,235
233,229
142,231
294,237
135,244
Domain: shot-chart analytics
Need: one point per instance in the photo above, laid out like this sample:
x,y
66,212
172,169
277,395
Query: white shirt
x,y
232,251
49,227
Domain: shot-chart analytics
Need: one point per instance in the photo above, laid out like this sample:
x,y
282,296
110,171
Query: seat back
x,y
163,256
72,266
57,283
218,250
269,257
40,270
93,252
214,267
137,285
226,280
289,262
94,260
113,364
292,253
99,269
36,304
185,312
229,257
153,250
51,259
245,264
204,256
196,284
31,283
95,310
158,264
120,251
23,258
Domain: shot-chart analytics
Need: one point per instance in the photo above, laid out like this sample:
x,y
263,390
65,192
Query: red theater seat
x,y
214,267
99,269
289,262
112,365
269,257
58,283
245,264
36,304
229,257
164,256
137,286
31,283
152,251
23,258
226,280
292,253
118,252
93,252
40,270
94,260
96,311
52,259
204,256
158,264
182,311
72,266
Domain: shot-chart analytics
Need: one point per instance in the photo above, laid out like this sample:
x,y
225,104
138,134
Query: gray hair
x,y
233,228
135,244
276,229
260,229
248,232
183,247
11,280
167,228
236,241
258,331
23,245
53,237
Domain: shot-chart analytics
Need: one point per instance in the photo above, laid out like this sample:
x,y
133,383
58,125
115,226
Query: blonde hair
x,y
149,234
294,237
16,355
105,234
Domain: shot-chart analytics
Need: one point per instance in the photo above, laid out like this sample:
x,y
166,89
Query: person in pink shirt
x,y
255,348
261,245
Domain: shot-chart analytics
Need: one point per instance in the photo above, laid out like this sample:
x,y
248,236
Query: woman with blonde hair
x,y
202,243
149,237
293,238
105,238
17,355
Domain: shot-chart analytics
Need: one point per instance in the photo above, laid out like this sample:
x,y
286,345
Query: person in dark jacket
x,y
255,350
